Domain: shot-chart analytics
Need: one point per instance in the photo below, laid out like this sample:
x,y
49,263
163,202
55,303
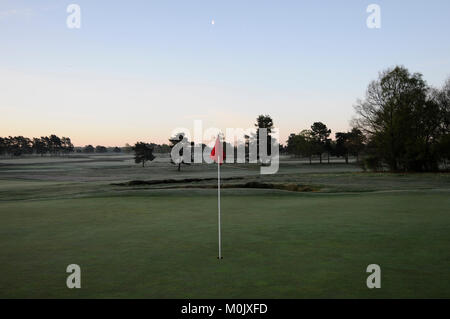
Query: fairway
x,y
276,244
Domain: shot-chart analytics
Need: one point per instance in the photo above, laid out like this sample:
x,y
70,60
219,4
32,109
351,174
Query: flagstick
x,y
218,203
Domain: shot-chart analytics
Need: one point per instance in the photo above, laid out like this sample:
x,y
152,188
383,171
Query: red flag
x,y
217,152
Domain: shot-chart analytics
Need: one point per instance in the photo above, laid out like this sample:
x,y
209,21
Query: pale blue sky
x,y
138,69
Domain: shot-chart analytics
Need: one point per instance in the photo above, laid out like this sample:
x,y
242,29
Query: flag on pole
x,y
217,156
217,152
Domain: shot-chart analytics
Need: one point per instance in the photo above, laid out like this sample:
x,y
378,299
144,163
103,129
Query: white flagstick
x,y
218,197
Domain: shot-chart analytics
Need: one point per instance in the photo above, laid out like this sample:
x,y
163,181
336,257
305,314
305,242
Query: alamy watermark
x,y
73,20
251,145
374,279
374,19
74,279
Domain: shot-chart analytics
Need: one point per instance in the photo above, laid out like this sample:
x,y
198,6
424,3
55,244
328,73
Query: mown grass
x,y
276,245
150,241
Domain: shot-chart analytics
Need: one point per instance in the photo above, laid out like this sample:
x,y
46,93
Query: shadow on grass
x,y
292,187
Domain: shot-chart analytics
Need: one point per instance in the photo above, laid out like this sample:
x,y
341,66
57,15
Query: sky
x,y
136,70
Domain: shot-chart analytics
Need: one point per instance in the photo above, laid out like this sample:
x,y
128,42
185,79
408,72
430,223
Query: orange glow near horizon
x,y
112,111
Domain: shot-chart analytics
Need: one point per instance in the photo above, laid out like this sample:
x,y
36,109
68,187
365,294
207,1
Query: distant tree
x,y
329,147
127,148
342,143
301,144
264,122
247,147
350,143
89,149
179,138
117,149
26,145
3,146
143,152
54,144
283,149
308,145
9,146
46,141
291,145
39,146
164,148
19,145
356,140
320,134
101,149
66,145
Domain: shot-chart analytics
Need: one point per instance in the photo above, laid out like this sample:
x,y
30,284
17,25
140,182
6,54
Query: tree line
x,y
144,151
402,124
316,142
54,145
19,145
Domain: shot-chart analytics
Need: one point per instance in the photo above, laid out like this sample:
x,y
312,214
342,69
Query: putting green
x,y
163,244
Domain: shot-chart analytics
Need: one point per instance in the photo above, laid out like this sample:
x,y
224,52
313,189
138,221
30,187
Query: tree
x,y
301,144
8,145
329,148
320,134
88,149
307,144
39,146
355,142
179,138
442,100
342,141
264,122
128,148
291,145
54,144
3,146
19,145
66,145
46,141
401,121
349,143
143,152
164,148
101,149
117,149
